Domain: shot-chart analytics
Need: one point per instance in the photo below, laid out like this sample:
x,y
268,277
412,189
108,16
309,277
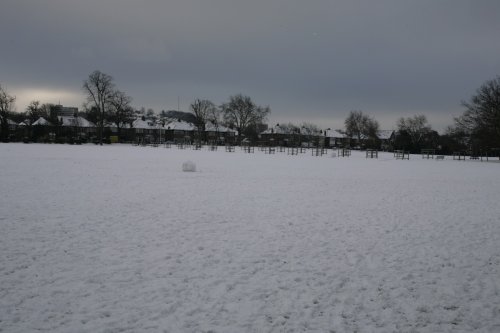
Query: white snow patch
x,y
113,238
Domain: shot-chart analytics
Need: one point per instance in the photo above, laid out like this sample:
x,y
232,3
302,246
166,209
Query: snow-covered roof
x,y
180,126
273,130
75,121
211,128
23,123
42,121
11,122
143,124
337,134
385,134
277,129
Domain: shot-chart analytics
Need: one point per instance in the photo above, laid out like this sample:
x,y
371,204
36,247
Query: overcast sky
x,y
308,60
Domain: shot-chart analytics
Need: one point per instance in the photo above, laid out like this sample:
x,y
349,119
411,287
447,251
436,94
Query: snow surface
x,y
119,239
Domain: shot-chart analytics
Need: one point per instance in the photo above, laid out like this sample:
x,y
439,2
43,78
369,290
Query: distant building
x,y
76,127
180,131
336,138
12,124
41,122
386,138
65,111
219,134
287,136
70,121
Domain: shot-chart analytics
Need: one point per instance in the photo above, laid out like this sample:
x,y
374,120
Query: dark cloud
x,y
311,61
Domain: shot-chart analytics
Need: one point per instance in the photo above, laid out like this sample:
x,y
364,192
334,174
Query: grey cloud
x,y
314,59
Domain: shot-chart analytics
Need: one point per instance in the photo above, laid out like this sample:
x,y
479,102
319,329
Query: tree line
x,y
413,133
240,112
105,104
478,128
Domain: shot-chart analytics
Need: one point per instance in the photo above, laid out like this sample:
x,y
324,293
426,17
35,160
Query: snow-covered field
x,y
119,239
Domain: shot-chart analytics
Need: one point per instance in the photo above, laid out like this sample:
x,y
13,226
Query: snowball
x,y
188,166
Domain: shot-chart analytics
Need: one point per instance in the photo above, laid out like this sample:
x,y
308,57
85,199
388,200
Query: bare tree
x,y
215,117
310,131
361,126
289,128
46,110
416,127
151,115
481,119
164,118
121,112
292,131
33,111
99,88
6,107
242,113
202,109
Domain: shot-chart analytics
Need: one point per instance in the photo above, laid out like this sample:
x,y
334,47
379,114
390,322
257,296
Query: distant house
x,y
386,138
71,121
41,122
11,129
23,129
64,111
145,130
180,131
220,134
76,126
12,125
336,138
142,125
281,135
42,130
